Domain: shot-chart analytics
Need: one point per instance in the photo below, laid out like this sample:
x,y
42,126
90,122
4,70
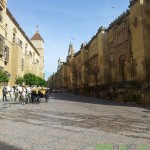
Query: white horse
x,y
20,92
25,93
28,90
10,90
18,89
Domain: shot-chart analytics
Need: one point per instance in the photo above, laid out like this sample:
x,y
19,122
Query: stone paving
x,y
69,122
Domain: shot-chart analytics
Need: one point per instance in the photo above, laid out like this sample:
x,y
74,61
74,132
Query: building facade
x,y
18,54
118,54
139,20
119,47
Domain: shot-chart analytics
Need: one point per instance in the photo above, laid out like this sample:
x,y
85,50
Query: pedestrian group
x,y
23,93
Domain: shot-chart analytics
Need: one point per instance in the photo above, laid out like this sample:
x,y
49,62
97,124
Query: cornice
x,y
20,29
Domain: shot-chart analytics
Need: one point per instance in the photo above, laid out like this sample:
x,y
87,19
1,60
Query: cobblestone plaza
x,y
69,122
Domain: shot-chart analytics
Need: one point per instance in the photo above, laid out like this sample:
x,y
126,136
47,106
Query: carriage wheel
x,y
38,100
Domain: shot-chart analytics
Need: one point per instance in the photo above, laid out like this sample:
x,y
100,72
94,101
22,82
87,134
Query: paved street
x,y
69,122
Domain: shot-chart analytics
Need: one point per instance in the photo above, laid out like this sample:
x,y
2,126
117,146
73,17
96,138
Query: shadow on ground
x,y
4,146
85,99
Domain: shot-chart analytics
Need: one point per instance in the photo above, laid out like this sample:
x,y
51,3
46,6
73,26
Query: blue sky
x,y
63,21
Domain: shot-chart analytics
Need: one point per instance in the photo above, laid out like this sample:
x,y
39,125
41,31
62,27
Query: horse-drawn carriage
x,y
39,94
29,95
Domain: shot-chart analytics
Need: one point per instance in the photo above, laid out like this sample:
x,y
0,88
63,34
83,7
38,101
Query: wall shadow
x,y
4,146
93,100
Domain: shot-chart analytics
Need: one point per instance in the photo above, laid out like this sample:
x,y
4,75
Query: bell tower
x,y
70,51
38,43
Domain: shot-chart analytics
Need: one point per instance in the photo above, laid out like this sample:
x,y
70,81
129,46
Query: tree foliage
x,y
19,80
3,77
32,79
29,79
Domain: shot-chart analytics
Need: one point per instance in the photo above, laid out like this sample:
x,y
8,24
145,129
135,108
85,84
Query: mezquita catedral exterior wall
x,y
115,57
18,54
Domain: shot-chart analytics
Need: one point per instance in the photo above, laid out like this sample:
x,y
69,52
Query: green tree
x,y
32,79
29,79
3,77
19,80
42,82
37,80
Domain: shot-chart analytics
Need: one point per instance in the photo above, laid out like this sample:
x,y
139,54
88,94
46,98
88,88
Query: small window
x,y
1,45
14,37
6,34
31,54
6,54
1,18
5,63
25,50
6,26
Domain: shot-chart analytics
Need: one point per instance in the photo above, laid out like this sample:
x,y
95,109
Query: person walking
x,y
23,95
16,93
4,93
12,94
47,95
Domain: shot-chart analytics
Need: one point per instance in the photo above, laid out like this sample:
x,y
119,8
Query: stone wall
x,y
126,92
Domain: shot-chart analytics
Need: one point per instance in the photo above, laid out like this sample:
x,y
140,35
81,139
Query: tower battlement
x,y
132,2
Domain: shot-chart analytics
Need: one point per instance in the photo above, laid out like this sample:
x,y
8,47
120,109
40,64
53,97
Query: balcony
x,y
17,41
6,54
6,58
28,53
1,45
